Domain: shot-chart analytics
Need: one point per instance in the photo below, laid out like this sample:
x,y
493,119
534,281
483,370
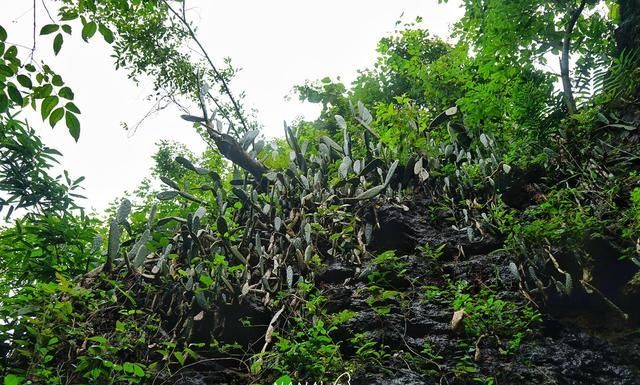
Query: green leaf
x,y
15,95
166,195
73,124
66,28
72,107
180,357
4,102
392,170
12,379
206,280
48,29
5,70
66,93
372,192
57,81
99,339
3,34
89,30
48,104
57,43
56,116
170,183
24,81
128,367
184,162
106,33
42,92
12,53
284,380
192,118
138,371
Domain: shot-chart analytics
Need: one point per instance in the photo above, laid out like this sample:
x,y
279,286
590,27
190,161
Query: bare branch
x,y
225,86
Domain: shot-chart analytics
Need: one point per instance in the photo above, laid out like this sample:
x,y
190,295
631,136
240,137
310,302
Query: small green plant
x,y
369,351
388,269
307,350
433,254
379,298
489,315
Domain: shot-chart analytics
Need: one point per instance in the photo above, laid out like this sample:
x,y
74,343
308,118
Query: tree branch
x,y
232,150
216,72
564,59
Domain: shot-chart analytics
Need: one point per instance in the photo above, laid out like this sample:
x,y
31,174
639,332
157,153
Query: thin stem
x,y
33,48
216,72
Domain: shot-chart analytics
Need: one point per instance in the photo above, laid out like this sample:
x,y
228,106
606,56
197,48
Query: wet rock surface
x,y
557,353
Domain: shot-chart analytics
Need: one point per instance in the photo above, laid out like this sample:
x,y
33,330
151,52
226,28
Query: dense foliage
x,y
222,263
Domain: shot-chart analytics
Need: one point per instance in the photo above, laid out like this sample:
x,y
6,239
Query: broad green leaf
x,y
12,379
106,33
99,339
3,34
138,371
24,81
72,107
15,95
56,80
4,102
180,357
284,380
73,124
57,43
89,30
66,93
48,104
56,116
48,29
66,28
5,70
206,280
12,53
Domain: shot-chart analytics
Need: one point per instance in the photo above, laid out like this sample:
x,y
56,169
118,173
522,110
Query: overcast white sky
x,y
278,44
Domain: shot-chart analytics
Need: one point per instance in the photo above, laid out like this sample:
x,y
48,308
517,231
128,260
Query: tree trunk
x,y
564,59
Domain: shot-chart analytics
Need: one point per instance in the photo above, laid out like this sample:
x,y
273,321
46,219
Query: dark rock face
x,y
404,227
558,354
